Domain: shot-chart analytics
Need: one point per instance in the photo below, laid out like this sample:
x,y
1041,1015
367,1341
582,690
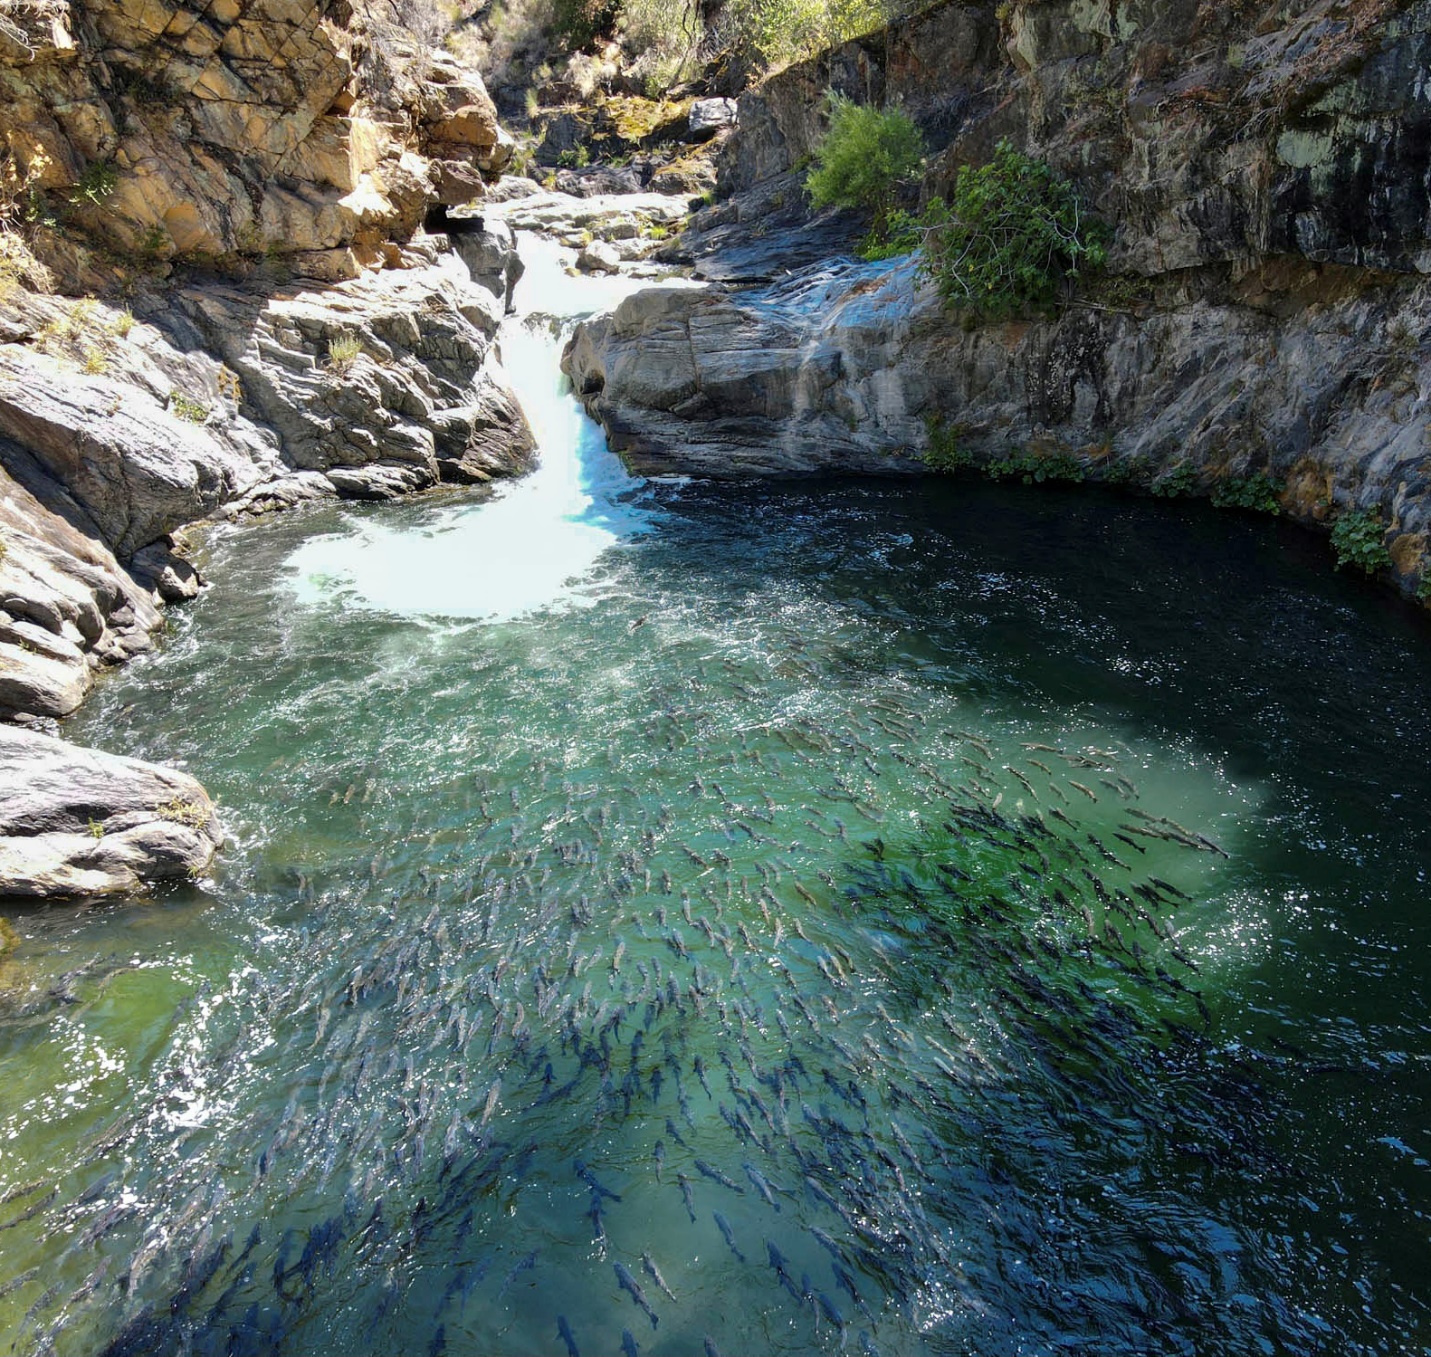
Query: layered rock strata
x,y
79,822
1265,312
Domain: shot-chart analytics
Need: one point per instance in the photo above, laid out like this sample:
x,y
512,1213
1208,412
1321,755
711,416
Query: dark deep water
x,y
753,893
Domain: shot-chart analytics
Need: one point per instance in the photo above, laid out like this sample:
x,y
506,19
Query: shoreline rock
x,y
77,822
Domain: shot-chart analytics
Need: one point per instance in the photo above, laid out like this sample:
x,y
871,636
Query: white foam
x,y
532,544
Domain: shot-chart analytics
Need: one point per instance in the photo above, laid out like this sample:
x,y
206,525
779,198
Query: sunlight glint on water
x,y
936,945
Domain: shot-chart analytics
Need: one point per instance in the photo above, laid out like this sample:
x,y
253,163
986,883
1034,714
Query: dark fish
x,y
526,1265
831,1312
716,1176
708,1343
564,1329
628,1345
654,1273
687,1196
659,1155
782,1272
632,1287
723,1225
589,1178
1165,886
762,1184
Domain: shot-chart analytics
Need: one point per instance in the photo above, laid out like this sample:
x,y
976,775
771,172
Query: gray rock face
x,y
848,368
66,607
1268,178
708,116
136,468
78,822
491,258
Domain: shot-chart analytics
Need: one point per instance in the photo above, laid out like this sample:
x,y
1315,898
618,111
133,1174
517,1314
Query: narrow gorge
x,y
589,765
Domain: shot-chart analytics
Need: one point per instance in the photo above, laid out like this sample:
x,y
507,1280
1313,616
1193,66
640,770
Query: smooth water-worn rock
x,y
79,822
854,366
66,605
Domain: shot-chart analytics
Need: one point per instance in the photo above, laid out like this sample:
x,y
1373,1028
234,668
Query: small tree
x,y
864,158
1010,234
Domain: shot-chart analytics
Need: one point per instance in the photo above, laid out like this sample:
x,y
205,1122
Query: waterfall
x,y
536,539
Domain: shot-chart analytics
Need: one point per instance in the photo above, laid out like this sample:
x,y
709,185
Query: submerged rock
x,y
76,821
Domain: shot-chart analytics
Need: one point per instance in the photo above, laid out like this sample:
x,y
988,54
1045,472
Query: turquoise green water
x,y
756,879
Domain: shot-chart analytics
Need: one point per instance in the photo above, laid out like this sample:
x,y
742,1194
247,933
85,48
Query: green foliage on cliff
x,y
1257,492
866,155
1012,234
1359,540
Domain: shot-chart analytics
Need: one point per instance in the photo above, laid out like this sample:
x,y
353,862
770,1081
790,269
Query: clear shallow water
x,y
771,858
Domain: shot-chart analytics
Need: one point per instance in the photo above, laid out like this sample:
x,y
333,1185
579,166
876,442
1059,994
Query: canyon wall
x,y
1266,171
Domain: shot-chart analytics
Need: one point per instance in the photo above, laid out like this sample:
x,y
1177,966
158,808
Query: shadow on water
x,y
932,919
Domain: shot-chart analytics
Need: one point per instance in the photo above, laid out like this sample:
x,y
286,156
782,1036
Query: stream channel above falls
x,y
908,916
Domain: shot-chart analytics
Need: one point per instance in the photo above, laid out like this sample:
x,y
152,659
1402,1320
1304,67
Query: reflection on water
x,y
940,921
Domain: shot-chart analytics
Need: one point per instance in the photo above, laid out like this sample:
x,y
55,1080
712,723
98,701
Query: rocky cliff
x,y
1266,170
235,128
244,187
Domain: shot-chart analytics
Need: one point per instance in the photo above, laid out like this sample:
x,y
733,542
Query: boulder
x,y
598,257
708,116
77,822
491,258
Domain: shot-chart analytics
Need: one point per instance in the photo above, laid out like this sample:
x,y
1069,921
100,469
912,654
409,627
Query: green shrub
x,y
1010,236
1180,481
776,32
96,183
578,22
1031,468
865,156
1257,492
1359,539
343,352
187,409
944,453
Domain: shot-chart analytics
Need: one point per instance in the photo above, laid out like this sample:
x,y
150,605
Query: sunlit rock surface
x,y
79,822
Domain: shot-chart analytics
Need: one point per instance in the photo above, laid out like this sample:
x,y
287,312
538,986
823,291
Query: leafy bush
x,y
1181,480
865,156
1009,237
186,408
1258,492
578,22
944,453
774,33
1359,539
1031,468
